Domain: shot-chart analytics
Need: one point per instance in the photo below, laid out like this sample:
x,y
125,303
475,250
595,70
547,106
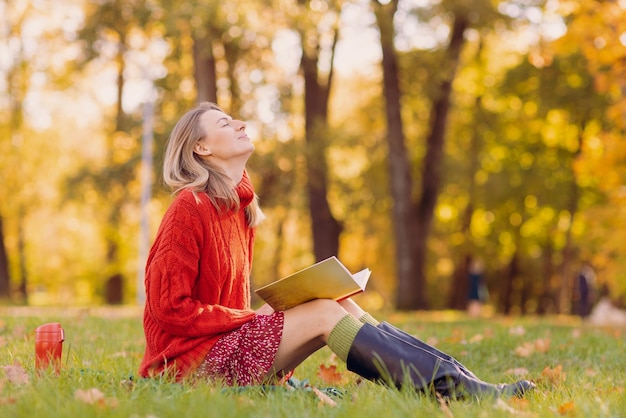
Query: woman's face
x,y
226,140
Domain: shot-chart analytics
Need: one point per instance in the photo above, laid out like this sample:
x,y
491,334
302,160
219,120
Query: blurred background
x,y
468,152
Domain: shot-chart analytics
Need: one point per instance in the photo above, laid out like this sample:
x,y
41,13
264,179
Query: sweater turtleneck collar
x,y
245,190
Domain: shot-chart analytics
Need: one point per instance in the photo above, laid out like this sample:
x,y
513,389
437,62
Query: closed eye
x,y
224,122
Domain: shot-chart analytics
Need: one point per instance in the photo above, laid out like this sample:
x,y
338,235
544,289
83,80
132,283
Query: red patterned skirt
x,y
243,357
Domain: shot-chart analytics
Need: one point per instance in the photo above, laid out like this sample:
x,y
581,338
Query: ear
x,y
200,149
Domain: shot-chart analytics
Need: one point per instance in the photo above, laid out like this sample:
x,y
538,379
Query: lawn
x,y
580,371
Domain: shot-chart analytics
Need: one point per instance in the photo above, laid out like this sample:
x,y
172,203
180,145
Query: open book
x,y
327,279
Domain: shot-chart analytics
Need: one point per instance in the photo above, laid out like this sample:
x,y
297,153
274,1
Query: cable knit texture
x,y
197,282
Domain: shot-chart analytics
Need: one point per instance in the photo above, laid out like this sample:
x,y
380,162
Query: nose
x,y
242,125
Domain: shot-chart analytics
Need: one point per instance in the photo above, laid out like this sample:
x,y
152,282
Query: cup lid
x,y
51,327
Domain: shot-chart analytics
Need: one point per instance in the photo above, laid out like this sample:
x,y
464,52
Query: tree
x,y
414,233
17,79
111,23
5,279
324,225
596,31
404,221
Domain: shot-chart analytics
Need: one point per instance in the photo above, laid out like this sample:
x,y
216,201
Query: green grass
x,y
580,371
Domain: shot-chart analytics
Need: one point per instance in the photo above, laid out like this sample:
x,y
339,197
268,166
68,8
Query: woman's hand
x,y
265,310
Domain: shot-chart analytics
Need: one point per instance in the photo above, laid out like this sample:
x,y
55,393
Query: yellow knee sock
x,y
342,335
369,319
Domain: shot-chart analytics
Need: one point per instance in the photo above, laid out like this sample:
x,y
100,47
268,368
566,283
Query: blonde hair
x,y
184,169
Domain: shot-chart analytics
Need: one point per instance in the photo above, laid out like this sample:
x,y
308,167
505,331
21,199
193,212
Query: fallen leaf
x,y
476,338
566,408
489,333
553,376
517,372
542,345
515,407
111,402
19,332
458,335
502,405
329,374
16,374
324,399
590,372
432,341
519,330
519,403
525,350
89,396
7,401
443,405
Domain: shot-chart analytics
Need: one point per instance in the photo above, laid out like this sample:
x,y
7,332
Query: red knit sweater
x,y
197,282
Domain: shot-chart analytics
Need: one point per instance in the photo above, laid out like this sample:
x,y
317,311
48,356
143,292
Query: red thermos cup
x,y
49,346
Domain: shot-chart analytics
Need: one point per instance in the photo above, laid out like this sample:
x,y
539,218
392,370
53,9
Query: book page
x,y
362,277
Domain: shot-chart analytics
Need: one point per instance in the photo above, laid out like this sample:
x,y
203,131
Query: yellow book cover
x,y
327,279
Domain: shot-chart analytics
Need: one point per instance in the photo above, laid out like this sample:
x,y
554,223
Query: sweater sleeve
x,y
171,272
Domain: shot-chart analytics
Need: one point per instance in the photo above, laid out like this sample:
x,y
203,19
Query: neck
x,y
234,170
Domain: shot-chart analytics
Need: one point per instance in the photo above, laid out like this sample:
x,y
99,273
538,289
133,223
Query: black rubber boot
x,y
380,356
416,341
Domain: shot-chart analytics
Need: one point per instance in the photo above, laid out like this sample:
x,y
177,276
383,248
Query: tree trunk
x,y
459,290
5,278
460,284
232,53
431,172
546,298
204,69
399,165
325,228
507,285
21,254
115,209
566,285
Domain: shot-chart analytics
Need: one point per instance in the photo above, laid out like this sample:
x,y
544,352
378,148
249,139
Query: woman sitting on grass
x,y
198,322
